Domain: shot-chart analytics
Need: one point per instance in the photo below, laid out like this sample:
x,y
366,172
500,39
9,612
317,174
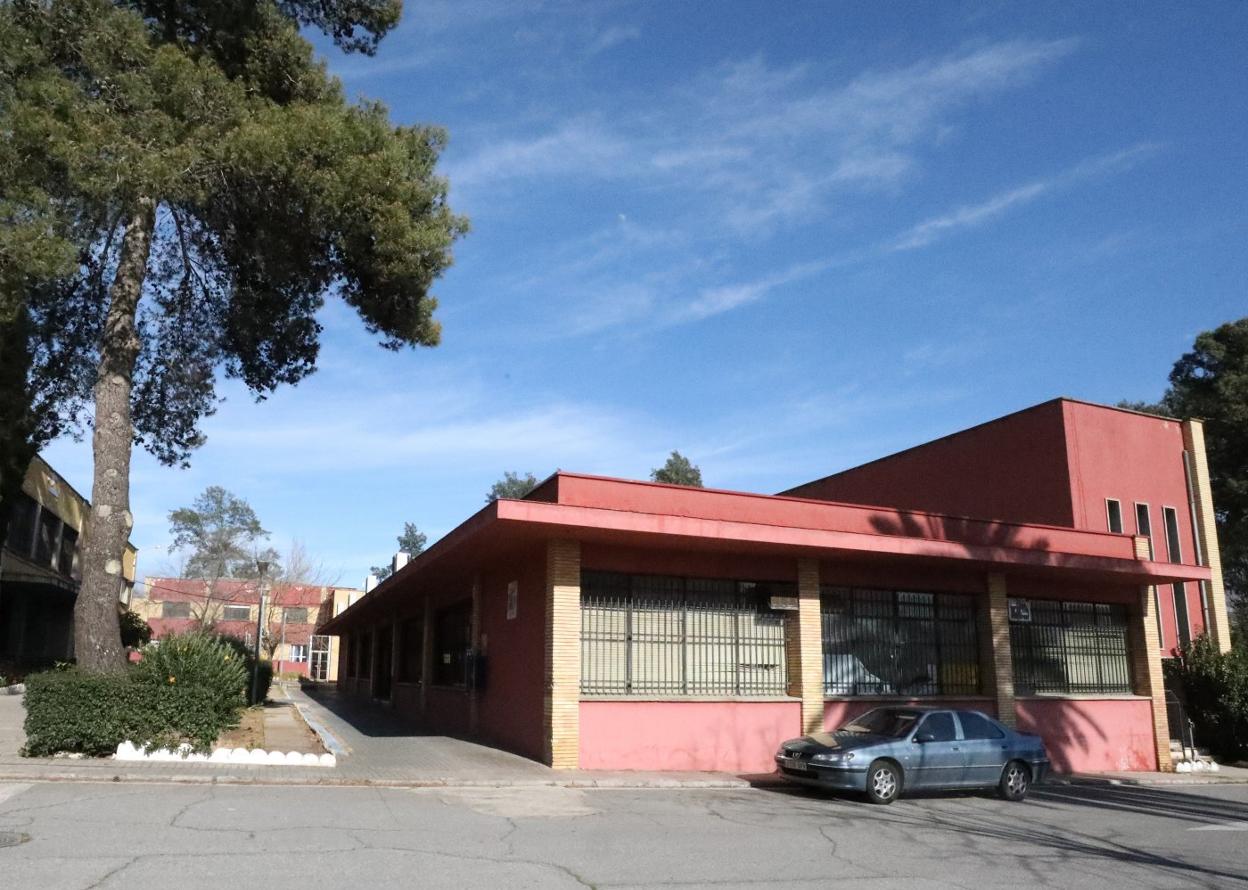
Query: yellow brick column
x,y
803,644
1146,675
1002,678
1207,530
561,707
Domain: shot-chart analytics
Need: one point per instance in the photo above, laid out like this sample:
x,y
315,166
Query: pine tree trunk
x,y
97,636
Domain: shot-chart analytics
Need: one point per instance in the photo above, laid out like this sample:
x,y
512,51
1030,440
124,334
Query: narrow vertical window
x,y
1170,516
1113,513
1144,528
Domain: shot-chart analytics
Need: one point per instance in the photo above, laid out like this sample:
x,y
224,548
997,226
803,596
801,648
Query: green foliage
x,y
411,542
263,677
512,485
1211,383
220,532
678,471
1215,692
135,632
271,190
93,713
203,662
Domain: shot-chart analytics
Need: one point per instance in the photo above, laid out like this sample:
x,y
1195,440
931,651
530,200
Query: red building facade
x,y
231,606
604,623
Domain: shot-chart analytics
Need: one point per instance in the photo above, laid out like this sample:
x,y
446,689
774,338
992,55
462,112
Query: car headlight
x,y
834,757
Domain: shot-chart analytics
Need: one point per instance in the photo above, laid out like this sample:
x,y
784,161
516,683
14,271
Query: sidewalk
x,y
373,749
376,749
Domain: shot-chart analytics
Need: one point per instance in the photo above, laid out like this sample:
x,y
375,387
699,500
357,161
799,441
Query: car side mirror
x,y
923,736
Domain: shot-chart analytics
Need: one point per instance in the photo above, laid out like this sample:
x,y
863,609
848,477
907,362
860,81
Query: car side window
x,y
976,726
940,726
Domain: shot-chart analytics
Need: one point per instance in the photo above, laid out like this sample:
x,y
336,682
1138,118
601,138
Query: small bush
x,y
264,676
89,713
202,662
69,710
1215,694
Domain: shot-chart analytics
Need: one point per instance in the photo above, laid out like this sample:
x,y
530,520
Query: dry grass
x,y
248,734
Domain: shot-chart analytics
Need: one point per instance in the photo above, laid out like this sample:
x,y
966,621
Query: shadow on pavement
x,y
366,719
1028,834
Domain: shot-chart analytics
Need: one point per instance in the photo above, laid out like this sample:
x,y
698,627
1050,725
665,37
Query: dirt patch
x,y
248,734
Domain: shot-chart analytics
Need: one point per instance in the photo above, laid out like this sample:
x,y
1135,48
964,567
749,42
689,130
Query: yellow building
x,y
39,571
324,666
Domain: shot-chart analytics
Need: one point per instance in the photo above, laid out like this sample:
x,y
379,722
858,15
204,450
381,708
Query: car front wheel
x,y
883,782
1015,780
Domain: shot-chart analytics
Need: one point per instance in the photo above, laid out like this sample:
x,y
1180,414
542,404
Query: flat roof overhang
x,y
593,509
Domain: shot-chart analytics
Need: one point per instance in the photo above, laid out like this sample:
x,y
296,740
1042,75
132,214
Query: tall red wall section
x,y
1011,469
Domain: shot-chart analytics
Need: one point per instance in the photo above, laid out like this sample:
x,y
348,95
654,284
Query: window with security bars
x,y
896,642
654,635
1070,648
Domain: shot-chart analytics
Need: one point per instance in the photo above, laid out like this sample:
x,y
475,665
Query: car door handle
x,y
956,748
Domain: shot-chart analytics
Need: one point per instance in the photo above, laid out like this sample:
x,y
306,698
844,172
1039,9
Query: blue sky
x,y
784,238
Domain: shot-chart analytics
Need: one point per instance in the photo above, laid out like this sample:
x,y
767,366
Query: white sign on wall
x,y
513,597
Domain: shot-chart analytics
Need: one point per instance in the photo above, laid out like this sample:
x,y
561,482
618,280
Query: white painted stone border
x,y
252,756
15,689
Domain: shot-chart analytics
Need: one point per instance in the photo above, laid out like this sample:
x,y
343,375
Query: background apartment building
x,y
232,606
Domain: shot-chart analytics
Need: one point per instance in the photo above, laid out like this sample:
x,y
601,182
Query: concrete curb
x,y
345,782
1158,779
15,689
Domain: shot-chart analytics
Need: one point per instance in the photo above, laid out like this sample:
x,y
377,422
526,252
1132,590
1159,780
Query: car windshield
x,y
891,723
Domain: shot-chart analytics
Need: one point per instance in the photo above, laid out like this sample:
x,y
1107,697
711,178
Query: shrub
x,y
202,662
264,676
1215,694
135,632
69,710
90,713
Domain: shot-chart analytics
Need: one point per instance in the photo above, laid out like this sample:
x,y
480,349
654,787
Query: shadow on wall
x,y
957,530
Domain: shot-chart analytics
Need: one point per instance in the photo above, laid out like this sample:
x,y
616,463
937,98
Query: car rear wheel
x,y
1015,780
883,782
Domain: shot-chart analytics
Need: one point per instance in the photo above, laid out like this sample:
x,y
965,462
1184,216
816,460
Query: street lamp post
x,y
263,566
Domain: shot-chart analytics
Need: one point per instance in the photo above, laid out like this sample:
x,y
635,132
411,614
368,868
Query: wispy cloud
x,y
612,36
971,215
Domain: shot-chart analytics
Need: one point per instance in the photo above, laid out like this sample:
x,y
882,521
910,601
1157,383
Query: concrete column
x,y
998,621
562,680
803,645
1207,530
1146,675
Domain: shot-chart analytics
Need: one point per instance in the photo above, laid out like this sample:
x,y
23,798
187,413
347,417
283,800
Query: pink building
x,y
1038,567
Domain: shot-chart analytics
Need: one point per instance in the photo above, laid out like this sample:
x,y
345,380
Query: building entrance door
x,y
318,667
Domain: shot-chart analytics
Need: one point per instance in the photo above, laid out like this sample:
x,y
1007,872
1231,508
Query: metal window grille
x,y
894,642
1071,648
653,635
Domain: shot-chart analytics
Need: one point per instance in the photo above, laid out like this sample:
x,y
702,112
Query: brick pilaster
x,y
803,643
997,608
1207,531
562,701
1146,675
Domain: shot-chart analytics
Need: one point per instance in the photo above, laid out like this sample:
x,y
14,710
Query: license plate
x,y
799,765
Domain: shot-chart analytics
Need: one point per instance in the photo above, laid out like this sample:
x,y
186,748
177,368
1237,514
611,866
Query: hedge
x,y
189,689
93,713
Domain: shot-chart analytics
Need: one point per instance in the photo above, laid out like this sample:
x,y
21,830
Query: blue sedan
x,y
888,750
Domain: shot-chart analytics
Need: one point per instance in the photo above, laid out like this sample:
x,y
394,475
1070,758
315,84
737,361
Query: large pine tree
x,y
198,185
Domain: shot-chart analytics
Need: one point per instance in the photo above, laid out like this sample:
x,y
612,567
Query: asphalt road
x,y
77,836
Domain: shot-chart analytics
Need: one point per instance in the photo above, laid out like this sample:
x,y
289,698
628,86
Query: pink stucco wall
x,y
731,736
837,713
1088,735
